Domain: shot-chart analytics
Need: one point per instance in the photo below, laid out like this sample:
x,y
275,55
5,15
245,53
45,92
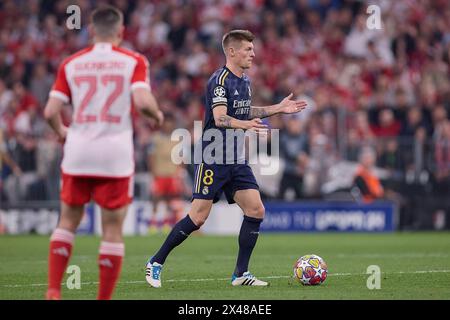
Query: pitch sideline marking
x,y
224,279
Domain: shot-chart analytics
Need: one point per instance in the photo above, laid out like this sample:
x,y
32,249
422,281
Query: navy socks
x,y
247,240
179,233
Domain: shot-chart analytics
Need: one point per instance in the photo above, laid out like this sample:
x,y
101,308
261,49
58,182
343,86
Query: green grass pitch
x,y
413,266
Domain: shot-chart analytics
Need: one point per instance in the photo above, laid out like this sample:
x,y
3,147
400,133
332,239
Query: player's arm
x,y
146,103
142,96
59,95
222,120
7,159
285,106
52,114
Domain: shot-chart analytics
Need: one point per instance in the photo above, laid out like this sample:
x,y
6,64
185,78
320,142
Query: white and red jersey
x,y
98,81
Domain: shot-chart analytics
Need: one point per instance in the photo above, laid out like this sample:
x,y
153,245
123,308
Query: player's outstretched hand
x,y
290,106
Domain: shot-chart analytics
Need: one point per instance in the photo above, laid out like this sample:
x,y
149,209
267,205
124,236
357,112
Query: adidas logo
x,y
236,93
106,263
62,251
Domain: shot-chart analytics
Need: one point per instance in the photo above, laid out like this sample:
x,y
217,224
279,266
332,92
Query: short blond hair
x,y
235,36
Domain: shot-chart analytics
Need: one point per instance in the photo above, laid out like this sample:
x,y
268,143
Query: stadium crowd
x,y
386,88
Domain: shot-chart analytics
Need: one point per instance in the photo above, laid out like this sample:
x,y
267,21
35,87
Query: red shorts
x,y
108,193
167,187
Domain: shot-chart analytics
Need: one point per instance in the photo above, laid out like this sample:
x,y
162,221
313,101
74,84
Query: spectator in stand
x,y
441,141
362,127
392,160
356,43
353,146
5,61
365,179
294,151
41,83
25,99
178,29
439,116
322,155
387,125
414,120
6,95
401,105
6,159
412,140
24,154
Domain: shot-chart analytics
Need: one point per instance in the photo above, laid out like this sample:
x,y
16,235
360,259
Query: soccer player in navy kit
x,y
228,106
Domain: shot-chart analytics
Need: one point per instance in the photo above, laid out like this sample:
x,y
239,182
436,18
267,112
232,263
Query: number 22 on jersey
x,y
82,115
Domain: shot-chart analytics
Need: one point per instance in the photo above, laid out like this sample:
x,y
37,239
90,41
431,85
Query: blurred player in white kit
x,y
101,82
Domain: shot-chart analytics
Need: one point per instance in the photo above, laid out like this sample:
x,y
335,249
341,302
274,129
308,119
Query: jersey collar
x,y
103,46
231,72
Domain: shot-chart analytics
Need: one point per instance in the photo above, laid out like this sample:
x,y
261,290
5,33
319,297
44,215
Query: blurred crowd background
x,y
386,89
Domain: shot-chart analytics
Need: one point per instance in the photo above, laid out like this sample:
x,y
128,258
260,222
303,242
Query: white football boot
x,y
247,279
153,274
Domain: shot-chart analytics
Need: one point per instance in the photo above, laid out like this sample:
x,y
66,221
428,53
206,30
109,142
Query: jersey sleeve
x,y
61,89
219,95
140,77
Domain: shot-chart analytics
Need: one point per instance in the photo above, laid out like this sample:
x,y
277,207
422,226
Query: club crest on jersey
x,y
219,91
205,190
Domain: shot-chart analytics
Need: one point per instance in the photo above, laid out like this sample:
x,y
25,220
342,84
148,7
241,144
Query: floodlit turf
x,y
413,266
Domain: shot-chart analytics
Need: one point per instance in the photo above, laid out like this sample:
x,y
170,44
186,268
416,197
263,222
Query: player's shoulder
x,y
76,55
131,53
219,77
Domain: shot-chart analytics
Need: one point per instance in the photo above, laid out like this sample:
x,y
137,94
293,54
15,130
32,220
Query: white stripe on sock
x,y
112,248
63,236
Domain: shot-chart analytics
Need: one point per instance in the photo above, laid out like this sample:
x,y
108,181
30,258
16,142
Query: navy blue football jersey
x,y
225,88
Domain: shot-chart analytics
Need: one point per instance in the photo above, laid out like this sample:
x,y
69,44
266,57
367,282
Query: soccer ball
x,y
310,270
